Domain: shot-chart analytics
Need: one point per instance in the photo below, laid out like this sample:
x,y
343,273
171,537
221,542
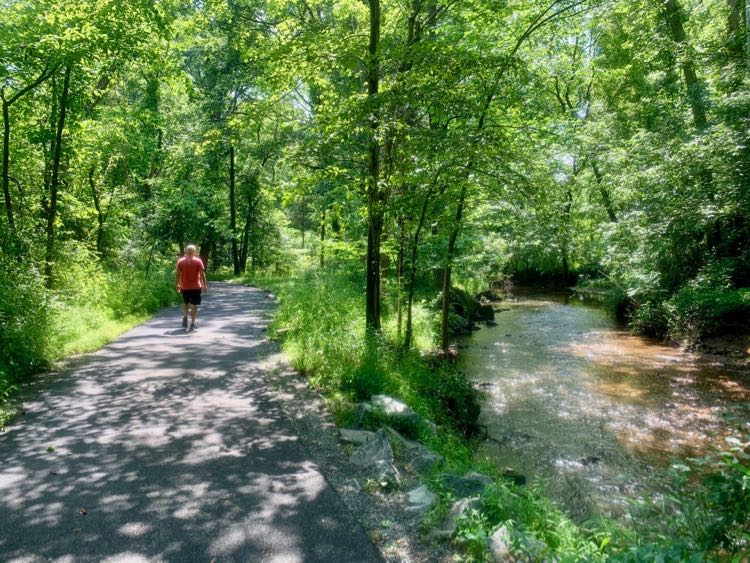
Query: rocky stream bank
x,y
387,480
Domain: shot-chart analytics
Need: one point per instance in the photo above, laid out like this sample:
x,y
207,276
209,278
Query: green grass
x,y
82,330
321,318
39,327
79,331
320,321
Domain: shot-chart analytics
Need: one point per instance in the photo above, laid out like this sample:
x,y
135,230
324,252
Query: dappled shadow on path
x,y
166,445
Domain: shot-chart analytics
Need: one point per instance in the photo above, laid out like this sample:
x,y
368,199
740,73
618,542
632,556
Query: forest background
x,y
369,156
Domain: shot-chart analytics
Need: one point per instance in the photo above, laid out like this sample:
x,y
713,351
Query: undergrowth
x,y
320,321
87,307
706,305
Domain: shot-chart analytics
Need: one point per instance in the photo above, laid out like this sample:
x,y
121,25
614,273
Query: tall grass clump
x,y
321,320
26,342
87,306
536,529
92,305
703,515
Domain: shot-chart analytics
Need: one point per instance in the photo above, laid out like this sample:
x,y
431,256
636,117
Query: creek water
x,y
598,414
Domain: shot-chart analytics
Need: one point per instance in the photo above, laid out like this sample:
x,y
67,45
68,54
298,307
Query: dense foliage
x,y
448,142
701,515
413,146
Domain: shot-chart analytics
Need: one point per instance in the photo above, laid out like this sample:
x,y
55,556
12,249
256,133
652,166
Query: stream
x,y
572,398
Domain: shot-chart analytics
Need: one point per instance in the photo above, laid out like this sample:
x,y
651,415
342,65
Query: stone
x,y
500,544
397,438
535,550
375,450
447,527
386,473
471,484
421,498
424,461
418,458
394,407
514,476
355,436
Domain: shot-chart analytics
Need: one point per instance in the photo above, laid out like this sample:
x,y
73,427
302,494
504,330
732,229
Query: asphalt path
x,y
166,445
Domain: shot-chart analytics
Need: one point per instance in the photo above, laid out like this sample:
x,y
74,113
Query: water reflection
x,y
575,399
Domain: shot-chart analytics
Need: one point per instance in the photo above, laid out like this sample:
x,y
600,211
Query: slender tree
x,y
376,195
55,182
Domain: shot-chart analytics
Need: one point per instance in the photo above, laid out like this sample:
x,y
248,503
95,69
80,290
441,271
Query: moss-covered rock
x,y
465,311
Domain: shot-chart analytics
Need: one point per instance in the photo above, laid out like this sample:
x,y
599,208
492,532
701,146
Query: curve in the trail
x,y
166,445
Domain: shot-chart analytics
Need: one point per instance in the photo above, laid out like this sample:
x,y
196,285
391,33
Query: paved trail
x,y
167,446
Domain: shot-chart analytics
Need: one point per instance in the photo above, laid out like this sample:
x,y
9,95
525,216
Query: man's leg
x,y
184,314
193,314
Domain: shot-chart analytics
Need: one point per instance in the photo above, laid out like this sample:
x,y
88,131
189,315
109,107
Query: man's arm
x,y
177,277
203,280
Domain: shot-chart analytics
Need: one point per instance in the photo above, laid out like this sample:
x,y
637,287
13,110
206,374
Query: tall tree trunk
x,y
450,254
736,35
456,225
233,213
606,197
733,19
409,333
374,196
566,233
674,17
6,103
399,277
539,21
244,247
49,151
252,203
205,251
150,259
6,167
323,240
152,101
99,214
55,182
747,34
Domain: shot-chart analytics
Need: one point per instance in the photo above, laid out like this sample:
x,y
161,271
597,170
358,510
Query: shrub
x,y
538,529
705,513
649,317
368,379
25,337
696,311
132,293
706,304
87,307
323,326
455,399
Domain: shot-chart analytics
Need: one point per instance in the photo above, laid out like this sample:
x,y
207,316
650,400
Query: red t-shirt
x,y
189,269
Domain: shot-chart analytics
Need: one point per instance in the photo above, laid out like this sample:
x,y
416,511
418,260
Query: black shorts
x,y
191,296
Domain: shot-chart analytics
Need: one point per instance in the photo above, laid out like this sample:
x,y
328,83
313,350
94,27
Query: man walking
x,y
190,280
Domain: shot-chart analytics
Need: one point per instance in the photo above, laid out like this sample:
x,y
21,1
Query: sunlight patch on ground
x,y
134,529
